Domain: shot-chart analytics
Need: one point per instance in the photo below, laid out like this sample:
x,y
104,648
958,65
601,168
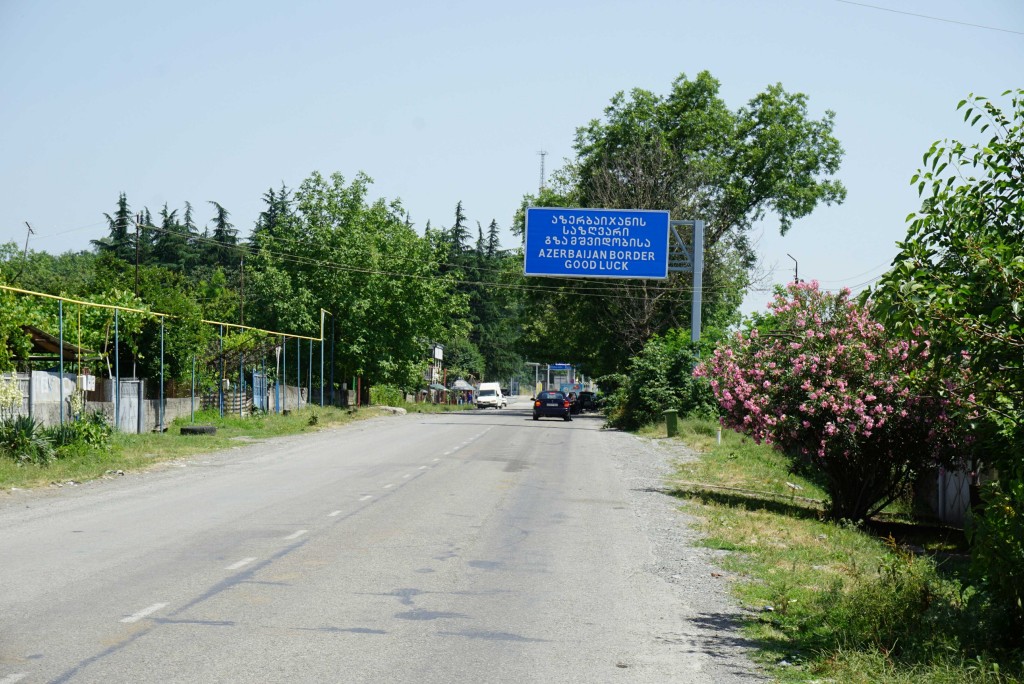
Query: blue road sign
x,y
596,243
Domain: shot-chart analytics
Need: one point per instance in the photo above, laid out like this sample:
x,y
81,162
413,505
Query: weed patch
x,y
884,602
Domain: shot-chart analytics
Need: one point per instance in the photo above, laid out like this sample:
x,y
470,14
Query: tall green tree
x,y
120,241
689,153
224,252
959,275
361,262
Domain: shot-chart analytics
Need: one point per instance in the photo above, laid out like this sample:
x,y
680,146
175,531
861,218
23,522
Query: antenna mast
x,y
542,153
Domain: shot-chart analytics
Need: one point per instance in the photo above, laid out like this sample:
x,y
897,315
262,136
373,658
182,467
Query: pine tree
x,y
225,252
493,240
119,242
458,236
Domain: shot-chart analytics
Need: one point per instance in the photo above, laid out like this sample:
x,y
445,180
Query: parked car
x,y
587,401
551,405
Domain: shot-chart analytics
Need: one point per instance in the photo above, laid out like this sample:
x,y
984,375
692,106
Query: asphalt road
x,y
471,547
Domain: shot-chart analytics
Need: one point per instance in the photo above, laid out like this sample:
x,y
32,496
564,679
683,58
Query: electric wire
x,y
926,16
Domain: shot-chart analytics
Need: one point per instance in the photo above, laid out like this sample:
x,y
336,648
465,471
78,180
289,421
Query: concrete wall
x,y
41,391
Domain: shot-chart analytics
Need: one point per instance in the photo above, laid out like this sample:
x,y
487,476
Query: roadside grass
x,y
830,602
136,452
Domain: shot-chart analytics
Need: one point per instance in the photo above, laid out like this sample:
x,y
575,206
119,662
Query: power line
x,y
926,16
591,289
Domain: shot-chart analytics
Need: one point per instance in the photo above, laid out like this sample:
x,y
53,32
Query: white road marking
x,y
12,678
333,514
423,467
406,475
388,486
295,535
144,612
364,498
244,561
436,460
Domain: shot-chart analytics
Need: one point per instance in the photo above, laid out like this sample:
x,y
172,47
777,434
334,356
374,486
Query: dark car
x,y
551,405
587,401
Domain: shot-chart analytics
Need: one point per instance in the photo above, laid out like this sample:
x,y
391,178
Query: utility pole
x,y
24,258
241,295
796,268
138,221
542,153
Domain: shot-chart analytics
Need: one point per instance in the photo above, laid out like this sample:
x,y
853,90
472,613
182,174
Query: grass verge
x,y
886,604
136,452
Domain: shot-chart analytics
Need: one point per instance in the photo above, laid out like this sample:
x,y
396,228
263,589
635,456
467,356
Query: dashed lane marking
x,y
295,535
239,564
144,612
366,498
334,514
12,678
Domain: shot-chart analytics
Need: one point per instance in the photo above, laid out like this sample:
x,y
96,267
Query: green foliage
x,y
960,276
362,263
688,153
997,537
659,378
24,439
386,395
836,601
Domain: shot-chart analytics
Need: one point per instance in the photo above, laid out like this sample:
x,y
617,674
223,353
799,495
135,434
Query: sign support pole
x,y
698,280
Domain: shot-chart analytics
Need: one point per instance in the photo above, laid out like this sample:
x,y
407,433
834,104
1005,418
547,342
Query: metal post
x,y
298,373
117,374
698,278
321,370
60,309
241,382
192,407
220,382
284,371
309,384
334,401
161,374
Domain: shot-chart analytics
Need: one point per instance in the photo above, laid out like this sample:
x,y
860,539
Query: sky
x,y
220,100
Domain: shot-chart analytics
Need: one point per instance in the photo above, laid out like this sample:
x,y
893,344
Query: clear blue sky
x,y
440,102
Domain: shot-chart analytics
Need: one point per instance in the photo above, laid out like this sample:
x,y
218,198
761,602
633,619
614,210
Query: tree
x,y
361,262
120,241
688,153
225,252
960,275
458,235
821,381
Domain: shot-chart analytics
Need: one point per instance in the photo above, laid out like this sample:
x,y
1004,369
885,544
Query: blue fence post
x,y
161,374
117,374
60,309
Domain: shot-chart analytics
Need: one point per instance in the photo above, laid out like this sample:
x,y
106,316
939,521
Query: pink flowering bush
x,y
820,380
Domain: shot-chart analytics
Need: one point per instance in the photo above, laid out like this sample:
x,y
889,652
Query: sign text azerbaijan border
x,y
596,243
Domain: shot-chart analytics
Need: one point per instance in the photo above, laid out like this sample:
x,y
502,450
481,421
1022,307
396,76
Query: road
x,y
471,547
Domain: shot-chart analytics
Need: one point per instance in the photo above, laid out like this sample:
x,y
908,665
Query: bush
x,y
822,382
25,440
660,377
386,395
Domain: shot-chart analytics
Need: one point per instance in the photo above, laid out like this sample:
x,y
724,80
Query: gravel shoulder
x,y
709,617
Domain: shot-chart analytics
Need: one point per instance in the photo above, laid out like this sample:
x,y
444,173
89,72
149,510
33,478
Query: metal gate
x,y
259,391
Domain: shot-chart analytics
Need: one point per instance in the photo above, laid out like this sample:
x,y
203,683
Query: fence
x,y
139,405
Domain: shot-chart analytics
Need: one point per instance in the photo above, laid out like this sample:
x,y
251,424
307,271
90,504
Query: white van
x,y
489,394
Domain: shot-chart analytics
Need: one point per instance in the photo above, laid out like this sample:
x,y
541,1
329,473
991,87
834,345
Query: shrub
x,y
386,395
661,377
822,382
24,439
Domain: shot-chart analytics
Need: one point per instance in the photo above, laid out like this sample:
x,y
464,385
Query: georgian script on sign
x,y
609,243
